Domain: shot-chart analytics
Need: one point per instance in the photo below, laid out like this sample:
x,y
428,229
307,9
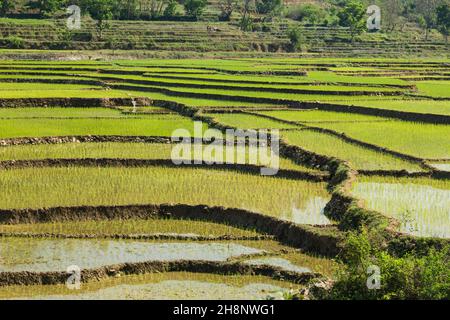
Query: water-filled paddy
x,y
421,205
278,262
44,255
177,285
441,166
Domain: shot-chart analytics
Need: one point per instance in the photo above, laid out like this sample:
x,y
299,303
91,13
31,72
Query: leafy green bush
x,y
407,277
296,38
195,8
14,42
308,13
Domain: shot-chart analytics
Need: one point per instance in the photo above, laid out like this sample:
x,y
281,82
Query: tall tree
x,y
45,7
392,13
101,11
227,8
247,8
195,8
443,20
353,16
426,9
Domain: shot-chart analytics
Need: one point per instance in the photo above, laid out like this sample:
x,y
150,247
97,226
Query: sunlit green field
x,y
367,129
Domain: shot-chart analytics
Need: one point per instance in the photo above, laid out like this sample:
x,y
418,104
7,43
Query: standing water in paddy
x,y
422,206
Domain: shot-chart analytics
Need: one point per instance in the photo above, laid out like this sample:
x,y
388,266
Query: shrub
x,y
194,8
171,9
407,277
296,38
308,13
14,42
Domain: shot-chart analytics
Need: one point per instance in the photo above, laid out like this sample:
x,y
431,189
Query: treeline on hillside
x,y
428,14
395,14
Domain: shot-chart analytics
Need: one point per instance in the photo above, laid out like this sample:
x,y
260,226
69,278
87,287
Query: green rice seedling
x,y
130,227
19,86
149,125
318,116
417,139
59,113
437,89
421,204
418,106
135,151
248,121
359,157
292,200
36,93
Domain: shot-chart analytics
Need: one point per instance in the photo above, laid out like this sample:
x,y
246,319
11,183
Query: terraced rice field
x,y
91,177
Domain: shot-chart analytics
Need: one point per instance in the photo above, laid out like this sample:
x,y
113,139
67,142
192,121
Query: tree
x,y
45,7
171,9
268,6
246,11
226,9
426,10
296,38
308,13
443,20
392,12
194,8
5,6
353,15
128,9
101,11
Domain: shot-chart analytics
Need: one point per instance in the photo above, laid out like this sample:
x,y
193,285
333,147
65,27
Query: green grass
x,y
133,226
270,95
437,89
247,121
32,86
417,139
420,204
318,116
417,106
130,151
36,93
293,200
60,113
150,125
359,157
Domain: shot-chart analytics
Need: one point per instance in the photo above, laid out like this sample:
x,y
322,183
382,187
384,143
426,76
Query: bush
x,y
296,38
308,13
408,277
194,8
14,42
171,9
